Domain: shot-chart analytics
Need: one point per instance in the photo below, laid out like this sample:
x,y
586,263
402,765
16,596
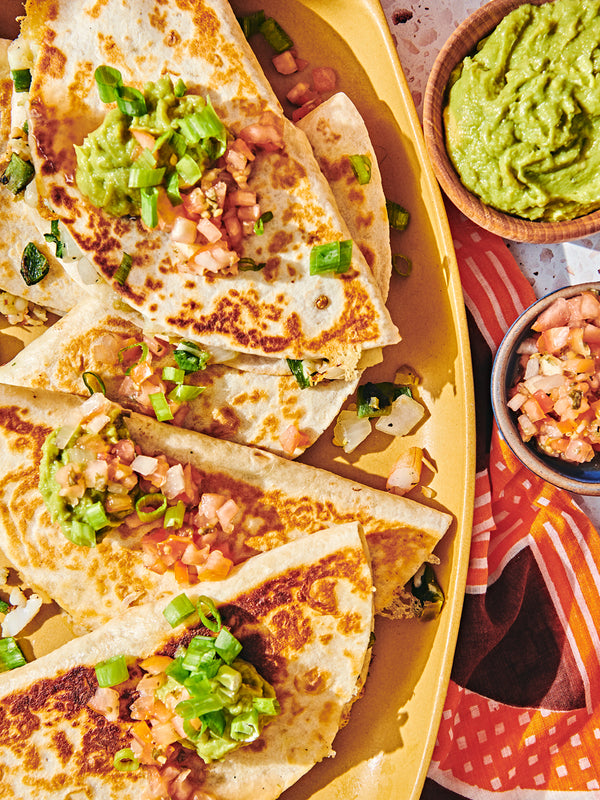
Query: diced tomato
x,y
555,316
305,109
181,573
216,567
301,93
579,451
554,339
145,139
292,438
285,63
324,79
544,401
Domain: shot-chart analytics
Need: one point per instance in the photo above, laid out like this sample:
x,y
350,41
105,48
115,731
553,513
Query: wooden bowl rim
x,y
460,44
505,419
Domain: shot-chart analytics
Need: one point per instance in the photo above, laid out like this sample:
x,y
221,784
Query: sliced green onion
x,y
331,257
250,265
107,81
54,238
398,217
149,206
112,671
244,727
184,393
297,369
11,656
145,160
180,608
209,127
266,705
34,265
21,79
178,144
125,760
172,189
192,709
122,273
162,139
188,131
207,606
95,516
141,178
173,374
93,382
188,169
275,35
375,399
259,225
180,88
3,606
361,166
402,265
227,646
215,722
190,357
17,174
81,533
144,350
251,23
174,515
156,501
130,101
161,406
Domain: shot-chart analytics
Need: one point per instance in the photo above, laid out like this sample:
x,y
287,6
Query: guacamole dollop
x,y
82,519
182,127
522,117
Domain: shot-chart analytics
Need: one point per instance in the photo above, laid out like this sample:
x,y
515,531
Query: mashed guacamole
x,y
522,118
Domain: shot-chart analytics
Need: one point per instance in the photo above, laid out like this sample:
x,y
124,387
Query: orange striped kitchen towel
x,y
522,713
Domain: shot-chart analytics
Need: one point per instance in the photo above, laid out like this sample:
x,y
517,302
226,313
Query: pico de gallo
x,y
95,479
164,154
204,701
557,395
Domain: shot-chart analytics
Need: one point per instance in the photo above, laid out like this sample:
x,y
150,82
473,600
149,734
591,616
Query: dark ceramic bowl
x,y
579,478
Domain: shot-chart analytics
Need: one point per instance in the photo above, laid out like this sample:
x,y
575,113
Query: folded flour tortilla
x,y
281,311
279,501
236,404
56,292
336,131
304,617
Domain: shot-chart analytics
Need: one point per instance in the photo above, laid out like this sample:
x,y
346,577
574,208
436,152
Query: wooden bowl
x,y
580,478
462,43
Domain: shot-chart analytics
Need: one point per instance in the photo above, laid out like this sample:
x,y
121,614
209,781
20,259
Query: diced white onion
x,y
19,617
174,482
532,368
144,465
350,430
406,472
405,414
545,383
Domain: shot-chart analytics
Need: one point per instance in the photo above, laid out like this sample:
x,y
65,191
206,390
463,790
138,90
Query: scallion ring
x,y
402,265
143,357
205,604
107,81
149,501
398,217
178,609
160,406
112,671
123,270
125,760
93,382
130,101
361,166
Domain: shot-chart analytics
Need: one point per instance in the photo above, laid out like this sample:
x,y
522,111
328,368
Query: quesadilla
x,y
280,310
99,338
172,506
304,621
56,291
342,146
